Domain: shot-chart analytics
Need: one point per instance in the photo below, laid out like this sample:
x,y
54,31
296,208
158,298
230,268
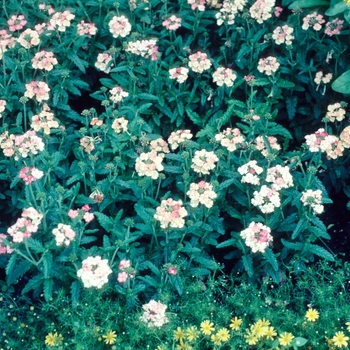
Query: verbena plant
x,y
139,148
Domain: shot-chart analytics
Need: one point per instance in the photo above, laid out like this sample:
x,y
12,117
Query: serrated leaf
x,y
291,103
224,184
144,96
143,213
48,287
105,221
228,243
88,239
270,257
285,84
106,242
248,264
342,83
290,245
337,8
149,280
176,280
34,283
172,169
319,251
11,263
18,271
152,267
301,226
47,262
35,245
196,119
81,64
75,290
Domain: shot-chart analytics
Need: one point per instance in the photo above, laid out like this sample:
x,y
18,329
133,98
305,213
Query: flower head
x,y
340,340
110,338
207,327
53,339
285,338
312,315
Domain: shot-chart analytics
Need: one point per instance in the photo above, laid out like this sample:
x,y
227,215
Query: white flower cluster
x,y
227,13
154,314
64,234
261,146
267,199
144,48
230,138
336,112
224,76
199,62
170,213
119,26
262,10
204,161
179,73
160,146
283,35
314,200
176,138
249,172
94,272
149,164
257,236
120,125
117,94
280,177
268,65
201,193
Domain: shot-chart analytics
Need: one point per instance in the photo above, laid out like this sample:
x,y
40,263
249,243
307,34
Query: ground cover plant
x,y
154,149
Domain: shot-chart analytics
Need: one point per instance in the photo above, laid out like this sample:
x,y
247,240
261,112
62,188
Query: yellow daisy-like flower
x,y
250,338
270,333
312,315
340,340
348,323
223,334
347,2
207,327
53,339
179,334
285,338
110,338
263,322
258,330
235,323
192,333
215,339
184,346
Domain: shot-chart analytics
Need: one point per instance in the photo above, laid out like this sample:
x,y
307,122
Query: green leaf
x,y
18,271
88,239
270,257
261,81
299,341
75,290
225,184
176,280
248,264
342,83
11,264
171,169
337,8
81,64
285,84
290,245
35,245
307,3
33,283
48,287
300,228
196,119
105,221
317,250
228,243
144,96
47,262
106,242
291,103
143,213
152,267
149,280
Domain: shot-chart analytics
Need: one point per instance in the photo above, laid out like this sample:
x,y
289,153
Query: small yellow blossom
x,y
250,338
347,2
285,338
258,330
348,323
235,323
192,333
270,333
110,338
179,334
312,315
207,327
223,334
340,340
215,339
53,339
263,322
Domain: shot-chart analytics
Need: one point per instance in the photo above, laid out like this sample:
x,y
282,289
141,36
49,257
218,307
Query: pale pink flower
x,y
122,277
268,65
88,29
170,213
61,20
224,76
27,144
334,27
4,248
88,143
230,139
16,23
250,172
86,207
313,199
204,161
199,62
261,146
29,175
96,121
283,35
120,125
126,271
345,137
160,146
29,38
154,314
176,138
334,112
228,12
257,236
278,11
44,121
180,74
44,60
88,217
144,48
197,4
267,199
73,213
172,23
64,234
117,94
262,10
37,89
201,193
149,164
119,26
123,264
280,177
104,62
2,106
313,20
172,270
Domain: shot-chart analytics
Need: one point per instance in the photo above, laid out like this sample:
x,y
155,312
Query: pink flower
x,y
172,23
29,38
119,26
278,11
334,27
197,4
73,213
61,20
172,271
4,249
122,277
88,217
44,60
88,29
29,175
37,89
124,264
16,23
86,207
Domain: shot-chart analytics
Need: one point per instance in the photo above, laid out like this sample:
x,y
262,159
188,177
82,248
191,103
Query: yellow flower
x,y
184,346
312,315
179,334
348,323
270,333
263,322
235,323
215,339
53,339
340,339
347,2
250,338
223,334
110,338
285,338
191,333
258,330
207,327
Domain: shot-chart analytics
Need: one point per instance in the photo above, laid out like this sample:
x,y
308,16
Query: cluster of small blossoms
x,y
154,314
204,161
322,79
104,62
224,76
260,145
117,94
313,199
47,8
268,65
44,120
88,143
6,41
280,177
176,138
144,48
230,138
170,213
96,121
120,125
267,199
313,20
94,272
250,172
37,89
345,137
126,271
16,23
44,60
29,38
199,62
283,35
319,141
29,175
262,10
201,193
88,29
257,236
172,23
4,248
180,74
149,164
61,20
119,26
26,225
336,112
160,146
227,13
197,4
2,106
334,27
64,234
83,213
